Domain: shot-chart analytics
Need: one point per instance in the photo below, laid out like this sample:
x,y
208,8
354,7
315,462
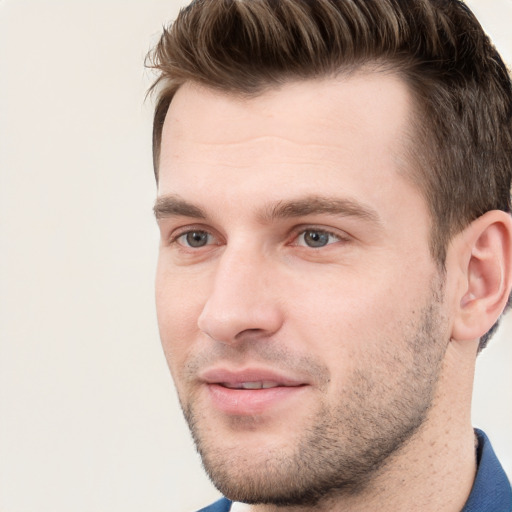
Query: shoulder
x,y
222,505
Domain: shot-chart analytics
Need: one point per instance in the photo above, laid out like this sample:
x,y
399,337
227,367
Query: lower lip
x,y
247,402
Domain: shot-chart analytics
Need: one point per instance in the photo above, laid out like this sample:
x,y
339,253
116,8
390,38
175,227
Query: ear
x,y
484,254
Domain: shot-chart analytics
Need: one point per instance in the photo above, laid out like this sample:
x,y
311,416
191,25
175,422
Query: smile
x,y
251,385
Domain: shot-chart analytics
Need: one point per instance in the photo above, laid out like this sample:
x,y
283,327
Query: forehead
x,y
315,132
364,98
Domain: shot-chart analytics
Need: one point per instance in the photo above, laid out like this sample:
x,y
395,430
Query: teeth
x,y
231,386
251,385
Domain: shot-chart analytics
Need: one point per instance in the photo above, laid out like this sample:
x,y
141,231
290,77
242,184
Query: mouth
x,y
250,378
251,385
251,392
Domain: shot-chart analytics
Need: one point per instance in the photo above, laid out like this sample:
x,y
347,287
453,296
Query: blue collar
x,y
491,490
223,505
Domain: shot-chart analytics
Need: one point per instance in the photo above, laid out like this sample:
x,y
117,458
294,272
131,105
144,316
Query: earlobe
x,y
485,249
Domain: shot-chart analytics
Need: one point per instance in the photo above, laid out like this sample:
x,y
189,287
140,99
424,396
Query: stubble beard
x,y
343,447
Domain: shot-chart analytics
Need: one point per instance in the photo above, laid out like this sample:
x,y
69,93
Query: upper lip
x,y
234,378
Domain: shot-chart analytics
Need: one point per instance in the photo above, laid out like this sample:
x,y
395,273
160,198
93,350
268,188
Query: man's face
x,y
299,308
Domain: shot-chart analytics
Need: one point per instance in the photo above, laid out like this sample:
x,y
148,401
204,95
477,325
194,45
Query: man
x,y
333,200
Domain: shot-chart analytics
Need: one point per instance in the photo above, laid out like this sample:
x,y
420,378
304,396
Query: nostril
x,y
250,333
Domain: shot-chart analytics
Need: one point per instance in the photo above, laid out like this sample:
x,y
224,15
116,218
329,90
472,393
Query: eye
x,y
316,238
195,239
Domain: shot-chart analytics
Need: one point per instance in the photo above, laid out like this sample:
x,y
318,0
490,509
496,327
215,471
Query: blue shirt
x,y
491,490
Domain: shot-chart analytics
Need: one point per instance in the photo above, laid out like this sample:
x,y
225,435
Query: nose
x,y
242,301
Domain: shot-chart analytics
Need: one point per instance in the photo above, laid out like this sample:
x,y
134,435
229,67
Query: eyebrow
x,y
312,205
174,206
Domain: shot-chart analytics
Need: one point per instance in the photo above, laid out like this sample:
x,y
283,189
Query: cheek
x,y
348,302
357,321
178,307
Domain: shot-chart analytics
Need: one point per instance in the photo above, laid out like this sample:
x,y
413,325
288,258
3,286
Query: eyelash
x,y
302,233
174,239
297,233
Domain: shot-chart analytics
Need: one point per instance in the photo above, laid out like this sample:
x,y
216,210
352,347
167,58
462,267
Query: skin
x,y
295,250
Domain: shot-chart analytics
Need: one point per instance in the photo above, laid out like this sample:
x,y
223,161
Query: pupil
x,y
197,238
316,238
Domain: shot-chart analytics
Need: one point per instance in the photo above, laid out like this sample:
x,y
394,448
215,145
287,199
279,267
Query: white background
x,y
88,417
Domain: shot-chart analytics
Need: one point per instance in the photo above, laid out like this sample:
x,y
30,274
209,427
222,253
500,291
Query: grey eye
x,y
316,238
196,238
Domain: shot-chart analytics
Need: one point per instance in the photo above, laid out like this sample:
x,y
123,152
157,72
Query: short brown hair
x,y
463,119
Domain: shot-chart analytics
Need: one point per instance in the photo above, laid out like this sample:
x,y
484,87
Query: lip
x,y
226,395
234,377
